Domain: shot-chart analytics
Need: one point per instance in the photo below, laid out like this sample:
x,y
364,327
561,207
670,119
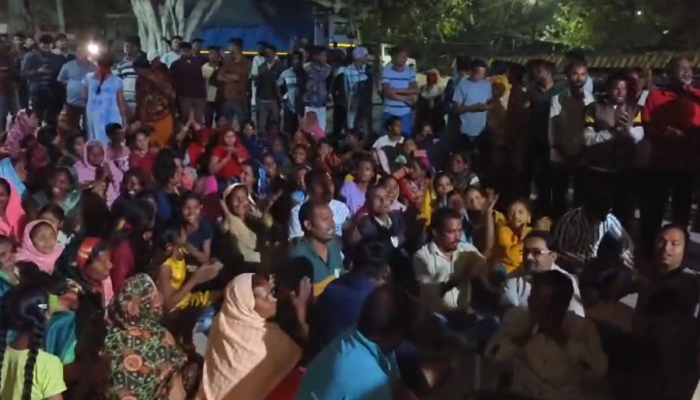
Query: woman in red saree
x,y
155,101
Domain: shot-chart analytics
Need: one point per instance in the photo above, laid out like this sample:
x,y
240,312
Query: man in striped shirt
x,y
399,87
580,231
126,69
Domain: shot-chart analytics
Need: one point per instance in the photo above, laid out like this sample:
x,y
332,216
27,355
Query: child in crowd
x,y
117,152
57,217
354,192
512,234
40,245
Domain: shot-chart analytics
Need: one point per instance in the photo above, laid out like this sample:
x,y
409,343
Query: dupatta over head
x,y
247,356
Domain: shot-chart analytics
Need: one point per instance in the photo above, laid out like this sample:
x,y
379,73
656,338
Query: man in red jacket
x,y
671,118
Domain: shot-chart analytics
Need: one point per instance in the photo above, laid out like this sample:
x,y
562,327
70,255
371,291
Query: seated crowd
x,y
320,269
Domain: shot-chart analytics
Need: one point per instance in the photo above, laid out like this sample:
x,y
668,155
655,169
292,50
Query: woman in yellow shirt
x,y
510,235
28,373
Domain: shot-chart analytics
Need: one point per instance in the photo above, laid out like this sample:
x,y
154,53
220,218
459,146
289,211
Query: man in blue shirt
x,y
361,364
471,102
399,89
71,76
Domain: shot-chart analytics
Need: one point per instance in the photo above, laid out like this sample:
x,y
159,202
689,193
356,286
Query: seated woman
x,y
482,218
97,173
63,190
238,226
228,157
436,196
40,245
137,339
11,212
248,356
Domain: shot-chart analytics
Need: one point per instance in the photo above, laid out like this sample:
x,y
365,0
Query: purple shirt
x,y
354,198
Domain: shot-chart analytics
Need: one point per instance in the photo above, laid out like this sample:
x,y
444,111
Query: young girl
x,y
279,151
27,371
55,215
176,282
512,234
143,155
416,183
437,195
354,192
327,158
300,157
117,152
40,245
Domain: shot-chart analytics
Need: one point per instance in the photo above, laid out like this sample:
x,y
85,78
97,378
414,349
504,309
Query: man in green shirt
x,y
319,246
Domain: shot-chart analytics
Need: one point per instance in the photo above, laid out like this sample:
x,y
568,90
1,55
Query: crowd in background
x,y
190,225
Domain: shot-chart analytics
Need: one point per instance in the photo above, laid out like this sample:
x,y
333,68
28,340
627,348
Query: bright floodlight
x,y
93,48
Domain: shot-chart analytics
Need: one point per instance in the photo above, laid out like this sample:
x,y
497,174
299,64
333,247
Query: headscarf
x,y
28,252
14,214
88,250
247,356
143,354
25,125
86,172
246,239
8,172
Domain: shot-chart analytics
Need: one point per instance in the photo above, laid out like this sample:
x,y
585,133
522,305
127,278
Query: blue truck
x,y
283,24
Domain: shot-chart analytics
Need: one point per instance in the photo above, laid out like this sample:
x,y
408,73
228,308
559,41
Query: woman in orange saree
x,y
155,101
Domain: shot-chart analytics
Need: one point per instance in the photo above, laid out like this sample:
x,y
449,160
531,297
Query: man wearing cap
x,y
358,91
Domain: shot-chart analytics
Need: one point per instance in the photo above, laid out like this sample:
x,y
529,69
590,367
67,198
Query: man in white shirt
x,y
174,54
551,349
540,256
319,185
445,267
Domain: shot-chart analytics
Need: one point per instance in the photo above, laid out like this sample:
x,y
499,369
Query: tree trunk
x,y
20,18
61,16
163,19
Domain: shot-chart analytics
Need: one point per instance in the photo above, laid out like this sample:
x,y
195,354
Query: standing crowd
x,y
158,242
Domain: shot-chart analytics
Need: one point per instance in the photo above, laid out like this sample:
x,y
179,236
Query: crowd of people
x,y
144,211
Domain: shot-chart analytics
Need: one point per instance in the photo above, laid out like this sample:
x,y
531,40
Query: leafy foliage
x,y
613,25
